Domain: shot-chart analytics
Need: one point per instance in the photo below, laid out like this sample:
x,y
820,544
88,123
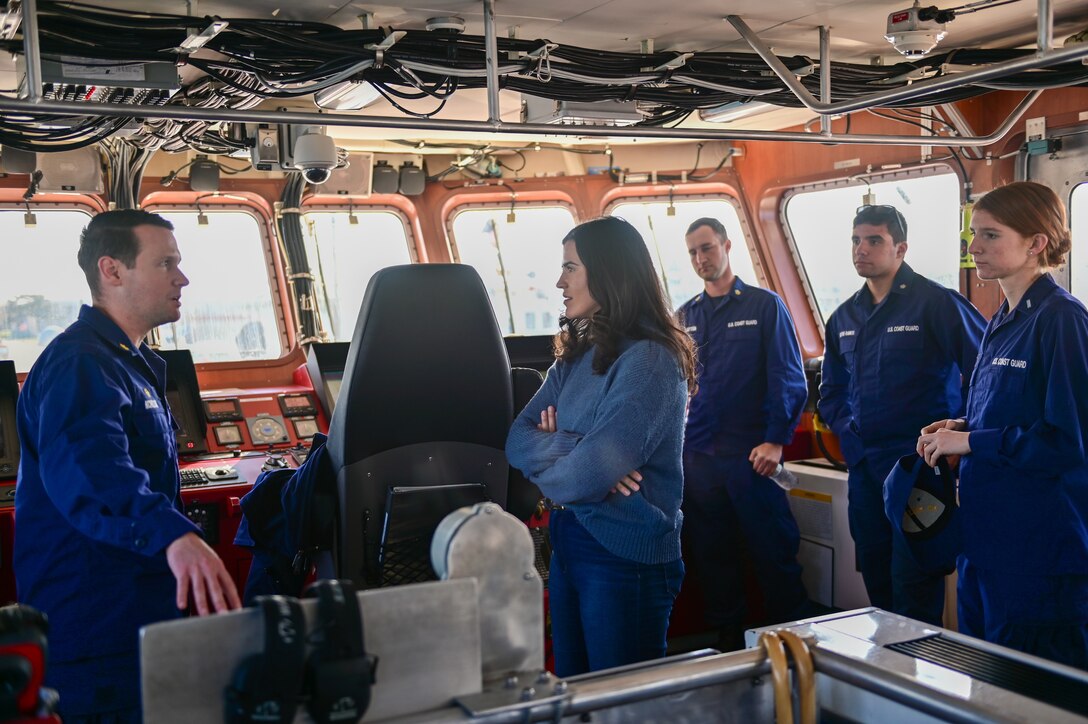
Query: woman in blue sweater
x,y
603,439
1023,575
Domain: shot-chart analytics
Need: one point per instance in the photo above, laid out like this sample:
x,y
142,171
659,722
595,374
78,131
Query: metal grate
x,y
407,561
411,516
1003,671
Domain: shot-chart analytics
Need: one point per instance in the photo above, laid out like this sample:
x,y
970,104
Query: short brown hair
x,y
1030,208
715,226
111,234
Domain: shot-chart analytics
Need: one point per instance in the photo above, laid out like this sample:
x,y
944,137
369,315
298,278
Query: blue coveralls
x,y
889,369
751,390
282,519
96,504
1024,487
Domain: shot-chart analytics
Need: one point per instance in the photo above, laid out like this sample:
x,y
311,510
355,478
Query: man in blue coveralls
x,y
751,392
102,545
898,352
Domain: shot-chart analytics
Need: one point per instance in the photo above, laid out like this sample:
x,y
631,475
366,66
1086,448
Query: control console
x,y
261,419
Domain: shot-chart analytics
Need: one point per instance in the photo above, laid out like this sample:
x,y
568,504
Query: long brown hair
x,y
622,280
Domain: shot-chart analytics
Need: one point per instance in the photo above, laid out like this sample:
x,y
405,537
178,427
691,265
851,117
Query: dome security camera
x,y
315,155
916,30
915,43
317,176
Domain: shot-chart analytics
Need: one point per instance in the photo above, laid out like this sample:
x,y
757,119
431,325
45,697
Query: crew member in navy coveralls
x,y
602,438
751,393
1023,575
897,354
101,543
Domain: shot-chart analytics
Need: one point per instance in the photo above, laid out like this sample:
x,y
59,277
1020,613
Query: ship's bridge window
x,y
819,223
41,284
1078,257
345,249
228,311
664,235
518,254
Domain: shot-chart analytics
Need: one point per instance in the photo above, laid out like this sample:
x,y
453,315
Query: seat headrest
x,y
427,363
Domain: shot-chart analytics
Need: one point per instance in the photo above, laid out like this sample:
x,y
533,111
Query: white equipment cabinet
x,y
827,551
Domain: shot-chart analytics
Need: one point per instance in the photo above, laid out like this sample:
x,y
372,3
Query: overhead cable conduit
x,y
250,60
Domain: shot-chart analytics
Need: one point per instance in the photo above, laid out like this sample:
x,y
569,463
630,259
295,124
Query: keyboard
x,y
195,477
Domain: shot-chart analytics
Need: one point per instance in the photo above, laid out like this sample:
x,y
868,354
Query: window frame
x,y
454,210
1065,272
1061,172
459,208
499,196
11,200
326,207
86,204
643,196
857,180
348,208
269,244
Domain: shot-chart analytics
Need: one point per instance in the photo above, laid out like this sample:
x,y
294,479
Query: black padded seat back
x,y
426,362
426,400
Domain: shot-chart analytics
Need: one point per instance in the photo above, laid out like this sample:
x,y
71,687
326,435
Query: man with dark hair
x,y
898,353
751,392
102,545
113,235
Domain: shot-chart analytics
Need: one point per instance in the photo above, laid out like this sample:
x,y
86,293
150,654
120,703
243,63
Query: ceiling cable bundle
x,y
237,63
289,224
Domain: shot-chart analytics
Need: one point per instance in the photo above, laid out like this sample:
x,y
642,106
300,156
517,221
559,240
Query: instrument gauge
x,y
267,430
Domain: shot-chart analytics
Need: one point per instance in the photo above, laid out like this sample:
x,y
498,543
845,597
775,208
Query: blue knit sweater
x,y
630,418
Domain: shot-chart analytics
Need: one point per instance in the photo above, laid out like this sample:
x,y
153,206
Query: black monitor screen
x,y
183,396
176,406
9,442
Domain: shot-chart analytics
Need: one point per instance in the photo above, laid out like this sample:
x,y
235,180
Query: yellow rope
x,y
804,674
780,676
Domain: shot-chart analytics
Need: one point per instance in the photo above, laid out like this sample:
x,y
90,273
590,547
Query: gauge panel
x,y
267,430
227,409
297,403
305,428
228,434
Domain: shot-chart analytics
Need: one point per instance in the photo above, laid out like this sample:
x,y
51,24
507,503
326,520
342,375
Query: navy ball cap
x,y
920,502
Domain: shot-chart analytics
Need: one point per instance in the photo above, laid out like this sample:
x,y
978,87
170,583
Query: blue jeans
x,y
731,512
1042,615
606,611
893,580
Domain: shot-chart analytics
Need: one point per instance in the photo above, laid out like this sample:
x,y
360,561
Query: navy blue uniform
x,y
97,503
751,390
890,369
1024,487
